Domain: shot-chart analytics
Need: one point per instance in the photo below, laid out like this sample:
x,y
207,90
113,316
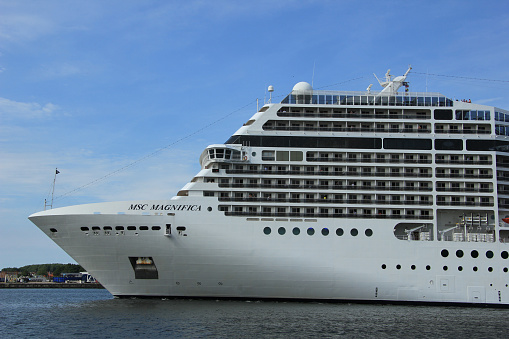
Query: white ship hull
x,y
222,257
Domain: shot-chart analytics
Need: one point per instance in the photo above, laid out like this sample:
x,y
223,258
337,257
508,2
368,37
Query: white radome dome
x,y
302,87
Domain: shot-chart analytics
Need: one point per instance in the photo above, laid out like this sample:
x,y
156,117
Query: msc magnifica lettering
x,y
144,207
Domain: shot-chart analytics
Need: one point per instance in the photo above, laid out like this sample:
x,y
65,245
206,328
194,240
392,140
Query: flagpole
x,y
53,190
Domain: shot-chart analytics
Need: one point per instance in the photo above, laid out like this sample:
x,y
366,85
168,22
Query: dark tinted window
x,y
488,145
306,142
449,144
407,143
443,114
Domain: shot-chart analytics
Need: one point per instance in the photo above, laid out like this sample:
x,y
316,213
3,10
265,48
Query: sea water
x,y
93,313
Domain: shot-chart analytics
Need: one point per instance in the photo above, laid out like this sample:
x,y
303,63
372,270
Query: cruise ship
x,y
368,196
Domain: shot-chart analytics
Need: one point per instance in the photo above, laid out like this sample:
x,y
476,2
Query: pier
x,y
49,285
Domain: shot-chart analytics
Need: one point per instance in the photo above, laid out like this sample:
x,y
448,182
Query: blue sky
x,y
92,86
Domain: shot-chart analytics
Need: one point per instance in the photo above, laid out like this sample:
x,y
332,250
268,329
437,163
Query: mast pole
x,y
53,190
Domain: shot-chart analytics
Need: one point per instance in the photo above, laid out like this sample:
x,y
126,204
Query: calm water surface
x,y
59,313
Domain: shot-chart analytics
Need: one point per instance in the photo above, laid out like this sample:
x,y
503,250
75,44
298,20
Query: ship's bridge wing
x,y
222,153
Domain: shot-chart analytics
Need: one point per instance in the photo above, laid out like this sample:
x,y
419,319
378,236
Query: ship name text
x,y
147,207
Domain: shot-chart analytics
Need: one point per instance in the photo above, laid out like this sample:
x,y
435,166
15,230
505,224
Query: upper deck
x,y
353,98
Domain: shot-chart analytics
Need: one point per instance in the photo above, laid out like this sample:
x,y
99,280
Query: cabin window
x,y
268,155
282,156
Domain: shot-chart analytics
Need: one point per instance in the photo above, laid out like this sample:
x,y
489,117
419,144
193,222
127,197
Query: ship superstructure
x,y
367,196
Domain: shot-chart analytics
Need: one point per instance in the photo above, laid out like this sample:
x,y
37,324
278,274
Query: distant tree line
x,y
43,269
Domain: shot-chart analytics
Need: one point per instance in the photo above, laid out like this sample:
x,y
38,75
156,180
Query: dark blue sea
x,y
92,313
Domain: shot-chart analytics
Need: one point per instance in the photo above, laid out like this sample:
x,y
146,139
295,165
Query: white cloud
x,y
18,27
26,110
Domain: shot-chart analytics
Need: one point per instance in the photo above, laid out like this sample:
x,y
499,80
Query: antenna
x,y
270,89
313,77
426,80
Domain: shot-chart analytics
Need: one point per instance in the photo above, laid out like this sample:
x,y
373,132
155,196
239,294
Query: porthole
x,y
459,253
490,269
368,232
131,228
311,231
209,209
84,228
475,268
296,231
339,232
445,253
281,230
384,266
504,255
460,268
412,267
506,269
445,268
119,228
156,228
489,254
266,230
428,267
143,228
253,154
96,228
398,266
354,232
474,254
325,231
106,228
53,230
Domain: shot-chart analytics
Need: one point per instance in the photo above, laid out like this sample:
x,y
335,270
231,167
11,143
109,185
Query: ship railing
x,y
406,116
462,131
450,189
458,175
336,173
464,203
471,237
328,187
365,160
327,201
463,162
334,215
344,129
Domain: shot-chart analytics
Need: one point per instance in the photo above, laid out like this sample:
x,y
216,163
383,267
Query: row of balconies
x,y
368,160
372,130
345,129
464,203
350,115
363,173
330,201
327,215
327,187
